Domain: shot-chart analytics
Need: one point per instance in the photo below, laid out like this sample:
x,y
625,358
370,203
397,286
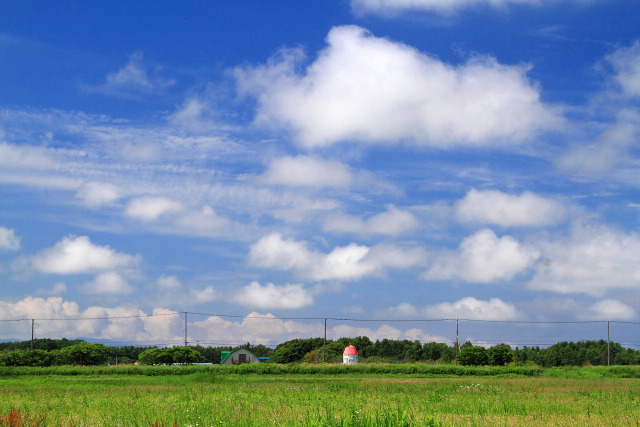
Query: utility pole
x,y
185,328
32,321
324,348
608,346
457,342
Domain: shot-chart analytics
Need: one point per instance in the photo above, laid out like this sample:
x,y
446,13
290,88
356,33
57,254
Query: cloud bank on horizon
x,y
378,165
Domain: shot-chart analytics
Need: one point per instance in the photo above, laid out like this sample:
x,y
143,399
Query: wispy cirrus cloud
x,y
135,78
393,7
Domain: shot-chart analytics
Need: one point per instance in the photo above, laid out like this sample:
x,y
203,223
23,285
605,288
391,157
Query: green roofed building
x,y
238,357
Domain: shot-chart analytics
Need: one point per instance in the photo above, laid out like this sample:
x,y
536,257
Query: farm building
x,y
238,357
350,355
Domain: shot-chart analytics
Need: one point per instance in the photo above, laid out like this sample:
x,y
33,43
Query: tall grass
x,y
202,399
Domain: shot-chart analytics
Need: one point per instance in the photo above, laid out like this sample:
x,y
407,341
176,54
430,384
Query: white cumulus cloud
x,y
608,309
108,283
350,262
274,251
626,63
496,207
31,307
583,309
255,328
384,332
472,308
306,171
8,239
167,283
207,294
465,308
74,255
164,325
58,288
25,157
269,296
149,208
206,221
610,149
592,260
483,258
194,115
95,194
392,221
94,321
371,89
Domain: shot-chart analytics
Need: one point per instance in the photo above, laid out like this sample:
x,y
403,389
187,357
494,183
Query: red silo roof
x,y
350,351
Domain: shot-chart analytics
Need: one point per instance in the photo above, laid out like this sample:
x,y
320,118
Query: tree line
x,y
50,352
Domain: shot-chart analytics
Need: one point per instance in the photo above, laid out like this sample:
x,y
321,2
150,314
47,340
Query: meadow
x,y
210,396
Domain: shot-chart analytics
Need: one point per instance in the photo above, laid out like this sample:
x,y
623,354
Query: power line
x,y
139,316
484,335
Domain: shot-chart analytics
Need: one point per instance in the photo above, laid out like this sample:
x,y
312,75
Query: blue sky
x,y
369,159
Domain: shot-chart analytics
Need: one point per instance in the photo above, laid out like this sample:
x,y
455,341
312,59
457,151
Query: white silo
x,y
350,355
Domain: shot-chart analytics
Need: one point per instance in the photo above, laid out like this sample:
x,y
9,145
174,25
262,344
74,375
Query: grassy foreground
x,y
559,397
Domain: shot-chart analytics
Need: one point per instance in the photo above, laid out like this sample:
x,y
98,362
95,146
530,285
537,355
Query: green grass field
x,y
212,397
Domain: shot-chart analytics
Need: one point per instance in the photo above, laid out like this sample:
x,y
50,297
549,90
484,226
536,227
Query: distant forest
x,y
51,352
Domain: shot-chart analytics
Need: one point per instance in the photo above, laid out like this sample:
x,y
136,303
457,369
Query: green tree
x,y
627,357
438,351
185,355
125,354
150,356
37,358
500,355
169,356
314,356
473,355
295,350
413,351
86,354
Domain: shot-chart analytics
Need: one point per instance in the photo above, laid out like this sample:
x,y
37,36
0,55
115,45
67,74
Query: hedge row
x,y
420,370
278,369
